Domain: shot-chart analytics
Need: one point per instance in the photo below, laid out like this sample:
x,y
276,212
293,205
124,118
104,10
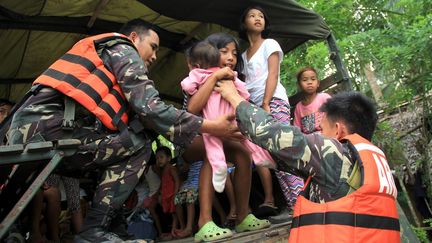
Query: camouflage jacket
x,y
326,160
127,66
176,125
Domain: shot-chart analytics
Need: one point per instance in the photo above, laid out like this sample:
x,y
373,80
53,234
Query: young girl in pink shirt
x,y
203,61
307,115
244,220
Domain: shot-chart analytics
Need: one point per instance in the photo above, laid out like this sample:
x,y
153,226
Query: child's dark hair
x,y
301,71
243,31
356,110
6,102
165,150
221,40
139,26
203,55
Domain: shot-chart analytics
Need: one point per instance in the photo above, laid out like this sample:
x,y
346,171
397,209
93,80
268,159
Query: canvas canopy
x,y
34,33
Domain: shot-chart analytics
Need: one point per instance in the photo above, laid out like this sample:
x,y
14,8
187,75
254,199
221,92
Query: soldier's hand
x,y
222,127
229,92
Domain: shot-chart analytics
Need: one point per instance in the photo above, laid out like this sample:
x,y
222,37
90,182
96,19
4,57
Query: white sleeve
x,y
271,46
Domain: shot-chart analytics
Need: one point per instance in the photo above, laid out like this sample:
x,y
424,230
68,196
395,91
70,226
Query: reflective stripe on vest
x,y
81,75
348,219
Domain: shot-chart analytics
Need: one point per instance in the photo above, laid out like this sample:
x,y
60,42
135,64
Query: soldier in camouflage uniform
x,y
321,156
41,115
332,164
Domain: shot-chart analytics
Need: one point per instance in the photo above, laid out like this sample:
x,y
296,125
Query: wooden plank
x,y
11,149
276,233
39,147
68,143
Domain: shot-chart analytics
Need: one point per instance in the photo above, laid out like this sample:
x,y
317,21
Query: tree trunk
x,y
371,78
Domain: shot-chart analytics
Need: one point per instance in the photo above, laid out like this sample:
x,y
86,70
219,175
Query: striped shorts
x,y
291,185
280,109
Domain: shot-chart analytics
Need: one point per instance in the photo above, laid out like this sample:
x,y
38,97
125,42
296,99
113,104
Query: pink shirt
x,y
197,77
307,117
215,107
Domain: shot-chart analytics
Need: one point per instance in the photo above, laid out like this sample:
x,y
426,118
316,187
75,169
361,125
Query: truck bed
x,y
276,233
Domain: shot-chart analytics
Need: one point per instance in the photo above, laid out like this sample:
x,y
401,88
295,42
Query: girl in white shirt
x,y
262,76
261,65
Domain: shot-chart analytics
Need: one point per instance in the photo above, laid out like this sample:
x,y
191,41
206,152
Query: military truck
x,y
33,34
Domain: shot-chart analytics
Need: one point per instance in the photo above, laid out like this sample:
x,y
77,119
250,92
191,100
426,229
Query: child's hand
x,y
224,73
229,92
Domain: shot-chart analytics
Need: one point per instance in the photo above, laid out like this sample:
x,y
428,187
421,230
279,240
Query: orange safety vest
x,y
81,75
369,214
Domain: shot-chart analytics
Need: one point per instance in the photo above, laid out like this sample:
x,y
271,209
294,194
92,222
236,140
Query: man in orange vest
x,y
99,92
349,194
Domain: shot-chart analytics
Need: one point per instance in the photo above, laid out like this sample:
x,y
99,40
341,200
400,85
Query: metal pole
x,y
29,194
337,60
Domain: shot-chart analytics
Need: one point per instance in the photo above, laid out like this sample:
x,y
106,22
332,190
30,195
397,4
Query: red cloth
x,y
167,190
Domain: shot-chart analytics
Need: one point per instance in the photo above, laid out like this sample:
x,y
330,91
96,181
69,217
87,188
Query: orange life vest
x,y
81,75
369,214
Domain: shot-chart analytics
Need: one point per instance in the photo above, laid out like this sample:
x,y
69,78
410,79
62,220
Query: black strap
x,y
121,40
356,156
348,219
306,188
69,116
125,137
136,125
89,65
74,82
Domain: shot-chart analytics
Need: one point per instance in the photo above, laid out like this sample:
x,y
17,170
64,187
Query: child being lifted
x,y
203,61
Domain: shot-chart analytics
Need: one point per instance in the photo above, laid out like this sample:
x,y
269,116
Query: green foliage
x,y
393,36
421,232
385,137
314,54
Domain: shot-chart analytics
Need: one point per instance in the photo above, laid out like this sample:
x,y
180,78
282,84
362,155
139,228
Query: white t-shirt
x,y
256,72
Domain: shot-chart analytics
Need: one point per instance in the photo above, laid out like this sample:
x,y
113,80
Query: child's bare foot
x,y
183,233
165,236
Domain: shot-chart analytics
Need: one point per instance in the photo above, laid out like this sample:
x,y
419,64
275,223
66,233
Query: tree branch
x,y
381,10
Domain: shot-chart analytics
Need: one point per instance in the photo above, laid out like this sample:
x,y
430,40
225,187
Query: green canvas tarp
x,y
34,33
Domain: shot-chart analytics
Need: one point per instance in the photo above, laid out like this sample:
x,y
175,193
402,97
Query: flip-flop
x,y
211,232
268,205
251,223
266,209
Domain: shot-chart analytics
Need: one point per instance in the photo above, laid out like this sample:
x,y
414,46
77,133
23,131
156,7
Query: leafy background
x,y
391,38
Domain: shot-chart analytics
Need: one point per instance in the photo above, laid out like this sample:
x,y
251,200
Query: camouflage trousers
x,y
119,177
120,167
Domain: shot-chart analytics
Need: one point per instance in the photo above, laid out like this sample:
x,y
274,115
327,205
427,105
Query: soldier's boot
x,y
119,225
95,228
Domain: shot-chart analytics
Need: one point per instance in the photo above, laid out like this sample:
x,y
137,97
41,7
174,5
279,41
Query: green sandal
x,y
251,223
211,232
